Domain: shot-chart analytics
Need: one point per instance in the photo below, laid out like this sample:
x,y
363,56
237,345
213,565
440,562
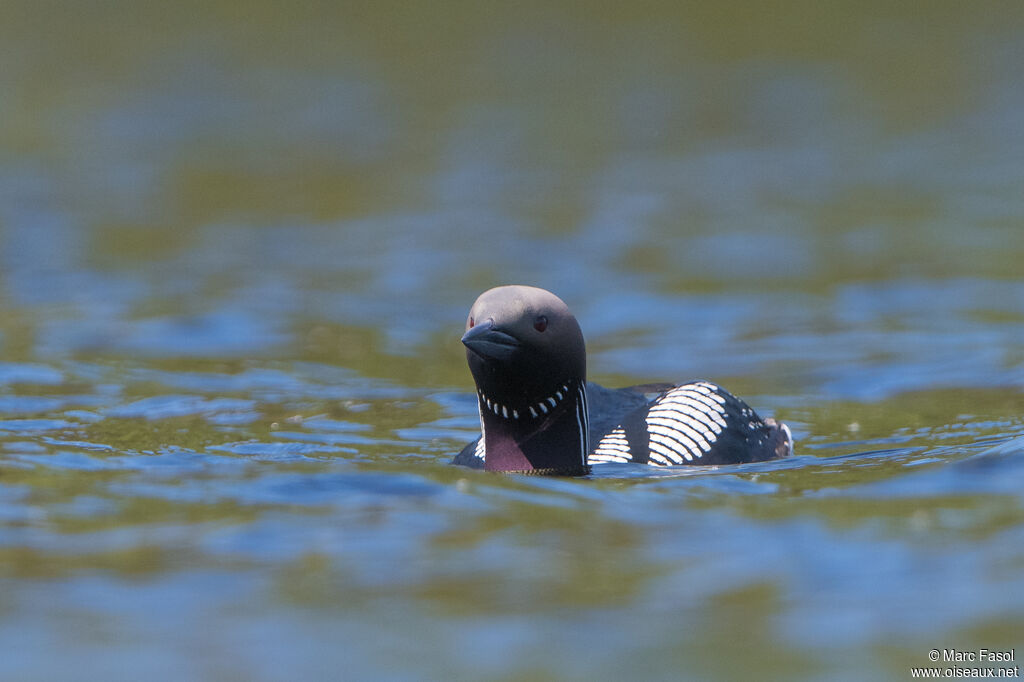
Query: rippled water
x,y
237,246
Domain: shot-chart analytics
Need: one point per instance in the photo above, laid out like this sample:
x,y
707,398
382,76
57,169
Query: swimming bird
x,y
539,414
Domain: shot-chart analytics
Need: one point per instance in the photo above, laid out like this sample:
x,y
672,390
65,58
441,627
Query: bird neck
x,y
545,436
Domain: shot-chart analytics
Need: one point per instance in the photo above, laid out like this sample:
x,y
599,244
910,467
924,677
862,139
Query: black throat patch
x,y
548,436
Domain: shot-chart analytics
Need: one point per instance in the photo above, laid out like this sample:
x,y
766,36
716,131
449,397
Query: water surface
x,y
237,246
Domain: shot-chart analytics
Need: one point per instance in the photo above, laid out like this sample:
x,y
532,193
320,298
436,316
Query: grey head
x,y
528,360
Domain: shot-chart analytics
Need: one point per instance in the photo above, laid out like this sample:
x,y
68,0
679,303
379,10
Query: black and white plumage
x,y
538,414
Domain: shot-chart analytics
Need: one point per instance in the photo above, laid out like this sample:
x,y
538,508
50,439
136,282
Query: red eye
x,y
471,322
541,323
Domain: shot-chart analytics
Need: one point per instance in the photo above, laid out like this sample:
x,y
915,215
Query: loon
x,y
539,414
